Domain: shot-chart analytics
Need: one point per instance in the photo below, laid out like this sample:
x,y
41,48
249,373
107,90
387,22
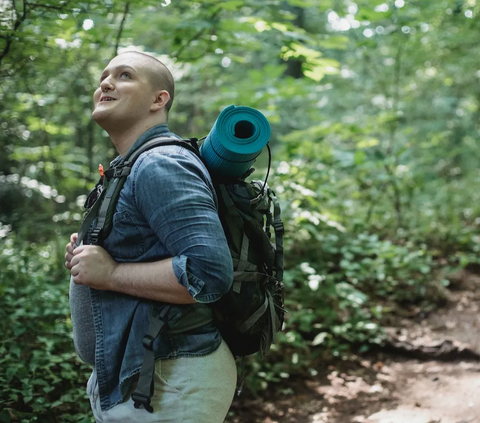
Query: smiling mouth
x,y
106,99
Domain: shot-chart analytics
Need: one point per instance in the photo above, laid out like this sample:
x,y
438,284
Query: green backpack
x,y
252,312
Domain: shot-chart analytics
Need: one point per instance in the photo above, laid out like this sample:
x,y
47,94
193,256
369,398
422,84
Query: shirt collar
x,y
149,134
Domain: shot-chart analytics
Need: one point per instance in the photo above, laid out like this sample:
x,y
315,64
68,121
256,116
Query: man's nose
x,y
106,85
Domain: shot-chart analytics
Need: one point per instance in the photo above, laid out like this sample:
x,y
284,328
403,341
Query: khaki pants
x,y
187,390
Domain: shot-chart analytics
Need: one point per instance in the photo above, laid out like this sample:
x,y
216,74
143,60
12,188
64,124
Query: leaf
x,y
359,157
320,338
56,403
10,373
5,417
337,42
368,143
232,4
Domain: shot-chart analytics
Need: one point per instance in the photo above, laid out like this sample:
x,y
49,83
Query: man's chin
x,y
100,117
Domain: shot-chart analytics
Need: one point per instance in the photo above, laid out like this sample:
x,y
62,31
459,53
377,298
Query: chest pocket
x,y
125,241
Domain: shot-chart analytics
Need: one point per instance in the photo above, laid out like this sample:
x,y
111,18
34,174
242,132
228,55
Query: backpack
x,y
252,312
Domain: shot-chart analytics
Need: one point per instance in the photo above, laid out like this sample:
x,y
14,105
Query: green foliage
x,y
374,108
40,374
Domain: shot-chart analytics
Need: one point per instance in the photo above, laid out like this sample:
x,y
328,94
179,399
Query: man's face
x,y
125,93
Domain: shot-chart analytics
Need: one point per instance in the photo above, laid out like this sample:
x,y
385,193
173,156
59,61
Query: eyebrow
x,y
116,69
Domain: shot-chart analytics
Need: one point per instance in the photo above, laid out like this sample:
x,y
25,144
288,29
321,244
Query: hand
x,y
69,250
91,265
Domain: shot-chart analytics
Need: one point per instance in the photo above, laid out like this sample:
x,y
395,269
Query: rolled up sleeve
x,y
173,193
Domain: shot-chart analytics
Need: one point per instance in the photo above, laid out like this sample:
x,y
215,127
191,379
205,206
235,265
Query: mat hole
x,y
244,129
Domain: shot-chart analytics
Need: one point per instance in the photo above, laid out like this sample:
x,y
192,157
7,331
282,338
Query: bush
x,y
40,375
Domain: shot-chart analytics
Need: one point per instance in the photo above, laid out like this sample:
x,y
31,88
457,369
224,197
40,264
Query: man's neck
x,y
124,139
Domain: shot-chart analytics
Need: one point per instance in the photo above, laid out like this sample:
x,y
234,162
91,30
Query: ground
x,y
443,386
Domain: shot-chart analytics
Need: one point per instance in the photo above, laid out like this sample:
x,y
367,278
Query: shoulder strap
x,y
89,218
132,156
279,232
116,177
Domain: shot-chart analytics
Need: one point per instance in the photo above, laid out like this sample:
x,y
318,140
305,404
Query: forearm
x,y
154,281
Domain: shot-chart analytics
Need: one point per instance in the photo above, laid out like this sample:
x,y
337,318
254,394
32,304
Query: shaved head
x,y
158,74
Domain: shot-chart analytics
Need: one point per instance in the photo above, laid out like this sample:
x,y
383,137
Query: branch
x,y
18,22
395,97
397,200
198,56
196,36
64,8
120,30
24,16
48,6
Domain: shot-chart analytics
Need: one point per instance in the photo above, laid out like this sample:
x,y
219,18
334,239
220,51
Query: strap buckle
x,y
121,171
95,236
162,314
279,227
140,399
148,342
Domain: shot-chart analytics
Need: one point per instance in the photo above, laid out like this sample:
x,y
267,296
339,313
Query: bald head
x,y
158,74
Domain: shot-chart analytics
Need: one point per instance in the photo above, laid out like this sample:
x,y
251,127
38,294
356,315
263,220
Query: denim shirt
x,y
167,208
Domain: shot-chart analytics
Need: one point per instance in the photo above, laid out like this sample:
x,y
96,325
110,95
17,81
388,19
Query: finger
x,y
73,238
74,271
68,256
77,280
78,250
74,261
69,248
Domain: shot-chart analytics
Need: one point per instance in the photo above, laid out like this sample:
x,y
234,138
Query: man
x,y
166,246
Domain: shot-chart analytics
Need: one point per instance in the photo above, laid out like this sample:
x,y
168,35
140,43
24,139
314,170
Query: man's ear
x,y
160,101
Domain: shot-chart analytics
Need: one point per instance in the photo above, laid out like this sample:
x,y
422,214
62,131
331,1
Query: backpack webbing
x,y
242,313
115,178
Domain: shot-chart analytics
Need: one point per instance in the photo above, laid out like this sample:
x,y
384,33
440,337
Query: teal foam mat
x,y
235,140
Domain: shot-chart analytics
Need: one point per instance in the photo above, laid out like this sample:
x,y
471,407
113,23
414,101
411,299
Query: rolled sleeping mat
x,y
235,141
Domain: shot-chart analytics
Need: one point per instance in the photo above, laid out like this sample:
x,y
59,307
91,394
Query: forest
x,y
374,107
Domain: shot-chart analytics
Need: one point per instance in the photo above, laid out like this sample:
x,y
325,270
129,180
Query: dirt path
x,y
390,388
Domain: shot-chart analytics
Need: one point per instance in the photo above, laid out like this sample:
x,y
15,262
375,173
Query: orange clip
x,y
100,169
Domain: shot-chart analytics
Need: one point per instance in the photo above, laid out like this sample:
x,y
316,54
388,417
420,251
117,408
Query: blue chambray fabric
x,y
167,208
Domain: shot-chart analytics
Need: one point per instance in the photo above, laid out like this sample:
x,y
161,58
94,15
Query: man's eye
x,y
125,74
